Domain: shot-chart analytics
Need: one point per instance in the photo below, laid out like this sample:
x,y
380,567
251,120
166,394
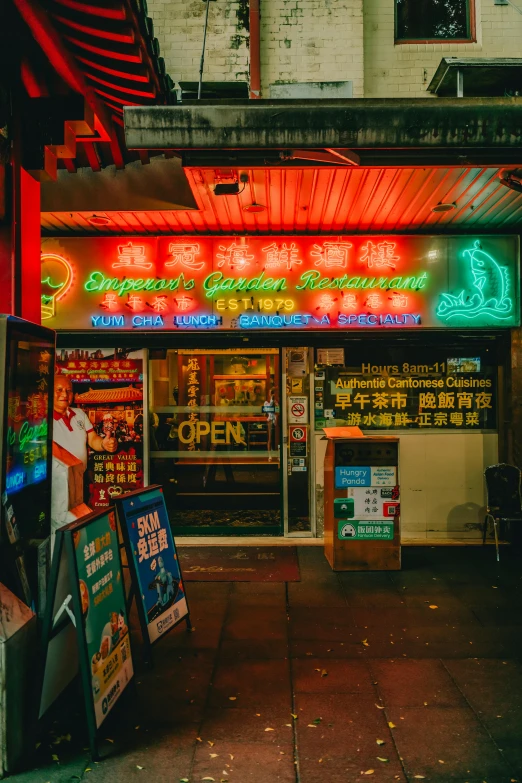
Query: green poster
x,y
105,622
365,531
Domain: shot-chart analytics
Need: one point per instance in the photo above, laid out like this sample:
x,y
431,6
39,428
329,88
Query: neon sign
x,y
490,285
246,283
57,276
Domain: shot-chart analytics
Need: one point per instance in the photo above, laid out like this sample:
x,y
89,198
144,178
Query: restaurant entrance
x,y
215,439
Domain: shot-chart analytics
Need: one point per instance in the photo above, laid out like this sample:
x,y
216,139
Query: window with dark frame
x,y
433,20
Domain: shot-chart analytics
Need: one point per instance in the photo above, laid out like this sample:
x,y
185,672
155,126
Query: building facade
x,y
374,48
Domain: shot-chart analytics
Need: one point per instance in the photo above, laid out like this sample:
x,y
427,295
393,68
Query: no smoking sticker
x,y
298,410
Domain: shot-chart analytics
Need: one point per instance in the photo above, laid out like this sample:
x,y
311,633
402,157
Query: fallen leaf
x,y
232,698
258,714
288,724
55,757
317,670
293,716
211,743
392,725
136,728
319,761
324,673
213,755
379,742
311,725
88,769
365,642
231,756
308,653
433,606
183,780
138,766
419,777
494,587
207,778
269,729
441,761
380,706
199,739
380,758
369,772
317,721
425,703
109,740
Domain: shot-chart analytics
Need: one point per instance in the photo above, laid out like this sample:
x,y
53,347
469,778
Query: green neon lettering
x,y
353,282
216,283
98,282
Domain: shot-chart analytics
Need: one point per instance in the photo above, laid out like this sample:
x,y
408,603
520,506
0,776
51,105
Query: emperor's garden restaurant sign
x,y
285,282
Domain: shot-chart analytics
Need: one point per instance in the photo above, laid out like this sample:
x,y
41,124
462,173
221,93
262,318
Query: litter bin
x,y
361,501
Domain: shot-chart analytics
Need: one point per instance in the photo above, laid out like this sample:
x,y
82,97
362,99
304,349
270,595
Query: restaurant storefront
x,y
252,345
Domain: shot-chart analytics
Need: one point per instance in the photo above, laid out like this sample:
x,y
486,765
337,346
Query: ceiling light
x,y
444,207
254,207
512,179
98,220
231,189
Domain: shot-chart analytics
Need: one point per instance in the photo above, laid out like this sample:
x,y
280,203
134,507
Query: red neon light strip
x,y
96,32
94,10
34,87
126,90
135,77
130,58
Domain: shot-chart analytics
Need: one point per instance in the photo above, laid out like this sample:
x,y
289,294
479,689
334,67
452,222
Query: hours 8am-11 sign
x,y
270,283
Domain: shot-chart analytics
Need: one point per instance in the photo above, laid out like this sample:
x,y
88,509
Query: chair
x,y
504,501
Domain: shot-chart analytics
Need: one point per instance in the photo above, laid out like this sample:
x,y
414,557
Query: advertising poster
x,y
104,616
151,549
28,359
99,424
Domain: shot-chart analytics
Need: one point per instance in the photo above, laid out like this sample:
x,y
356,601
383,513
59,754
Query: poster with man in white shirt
x,y
73,434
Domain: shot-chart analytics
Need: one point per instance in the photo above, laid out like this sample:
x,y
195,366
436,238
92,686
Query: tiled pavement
x,y
405,676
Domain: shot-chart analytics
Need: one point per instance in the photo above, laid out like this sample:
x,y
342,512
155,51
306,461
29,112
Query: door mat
x,y
239,564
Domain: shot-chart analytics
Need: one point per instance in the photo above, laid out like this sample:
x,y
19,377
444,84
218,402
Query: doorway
x,y
215,443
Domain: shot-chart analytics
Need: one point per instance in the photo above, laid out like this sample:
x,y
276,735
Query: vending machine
x,y
362,501
27,355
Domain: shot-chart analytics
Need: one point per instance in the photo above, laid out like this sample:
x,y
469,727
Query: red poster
x,y
98,429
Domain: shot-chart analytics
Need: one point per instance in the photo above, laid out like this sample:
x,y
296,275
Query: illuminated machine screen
x,y
26,453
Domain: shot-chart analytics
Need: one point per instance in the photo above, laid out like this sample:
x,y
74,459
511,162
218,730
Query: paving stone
x,y
410,683
407,617
346,734
266,622
248,725
342,676
425,736
251,762
257,594
248,649
253,683
318,626
305,648
319,593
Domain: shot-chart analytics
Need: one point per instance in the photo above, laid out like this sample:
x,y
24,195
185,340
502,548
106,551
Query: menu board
x,y
102,600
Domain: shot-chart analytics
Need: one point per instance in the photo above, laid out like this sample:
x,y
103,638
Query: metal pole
x,y
203,51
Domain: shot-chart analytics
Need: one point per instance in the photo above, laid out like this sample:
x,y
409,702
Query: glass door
x,y
215,439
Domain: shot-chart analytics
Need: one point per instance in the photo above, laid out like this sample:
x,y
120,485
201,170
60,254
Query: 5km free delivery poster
x,y
155,560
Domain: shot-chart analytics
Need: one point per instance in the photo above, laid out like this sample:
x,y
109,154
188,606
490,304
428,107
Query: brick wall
x,y
393,71
320,41
178,26
312,41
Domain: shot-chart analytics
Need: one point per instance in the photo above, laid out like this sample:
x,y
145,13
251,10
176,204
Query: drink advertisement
x,y
104,616
98,428
26,380
152,553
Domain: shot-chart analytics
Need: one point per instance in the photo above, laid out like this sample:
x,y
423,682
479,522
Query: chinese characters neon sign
x,y
282,282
